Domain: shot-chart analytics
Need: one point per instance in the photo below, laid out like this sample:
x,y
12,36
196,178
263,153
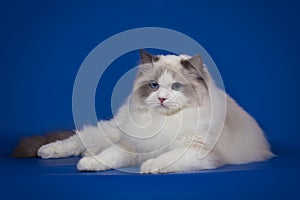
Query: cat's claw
x,y
91,164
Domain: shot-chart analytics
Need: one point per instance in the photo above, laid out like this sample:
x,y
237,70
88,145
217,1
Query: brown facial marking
x,y
144,90
195,71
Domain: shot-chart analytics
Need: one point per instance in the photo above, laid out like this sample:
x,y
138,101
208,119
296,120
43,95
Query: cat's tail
x,y
29,146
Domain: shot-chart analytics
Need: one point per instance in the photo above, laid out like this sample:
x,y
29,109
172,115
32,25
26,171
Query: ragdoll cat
x,y
171,122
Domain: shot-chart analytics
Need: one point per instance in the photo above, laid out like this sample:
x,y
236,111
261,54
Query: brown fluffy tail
x,y
28,147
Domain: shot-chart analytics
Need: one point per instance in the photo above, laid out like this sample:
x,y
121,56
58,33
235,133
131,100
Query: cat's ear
x,y
195,66
193,63
147,57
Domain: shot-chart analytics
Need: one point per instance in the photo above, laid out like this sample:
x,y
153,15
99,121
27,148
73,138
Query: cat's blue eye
x,y
176,86
154,85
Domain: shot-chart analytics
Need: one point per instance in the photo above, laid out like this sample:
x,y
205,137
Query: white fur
x,y
175,138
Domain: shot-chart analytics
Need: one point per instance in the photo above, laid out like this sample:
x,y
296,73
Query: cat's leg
x,y
71,146
91,140
97,138
180,160
111,158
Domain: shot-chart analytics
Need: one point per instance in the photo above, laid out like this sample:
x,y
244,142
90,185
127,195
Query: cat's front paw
x,y
49,151
152,166
91,164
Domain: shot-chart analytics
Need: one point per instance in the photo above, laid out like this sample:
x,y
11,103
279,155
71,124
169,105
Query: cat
x,y
171,122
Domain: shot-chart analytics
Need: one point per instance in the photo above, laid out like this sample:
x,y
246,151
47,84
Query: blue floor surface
x,y
277,178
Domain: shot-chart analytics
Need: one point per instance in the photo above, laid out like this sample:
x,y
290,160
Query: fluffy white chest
x,y
146,132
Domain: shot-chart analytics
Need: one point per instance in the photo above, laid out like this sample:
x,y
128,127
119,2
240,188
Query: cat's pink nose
x,y
161,99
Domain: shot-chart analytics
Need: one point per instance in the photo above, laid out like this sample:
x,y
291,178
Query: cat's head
x,y
170,83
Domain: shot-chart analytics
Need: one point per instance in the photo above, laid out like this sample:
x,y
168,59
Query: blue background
x,y
255,45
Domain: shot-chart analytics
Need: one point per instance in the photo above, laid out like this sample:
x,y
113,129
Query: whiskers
x,y
172,104
152,103
168,107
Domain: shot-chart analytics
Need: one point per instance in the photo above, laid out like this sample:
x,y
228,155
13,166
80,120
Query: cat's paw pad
x,y
152,166
90,164
48,151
